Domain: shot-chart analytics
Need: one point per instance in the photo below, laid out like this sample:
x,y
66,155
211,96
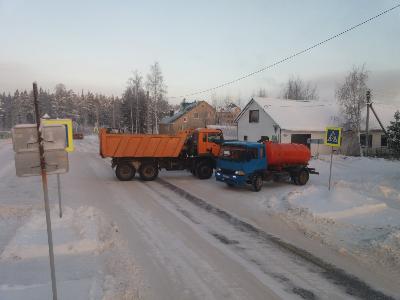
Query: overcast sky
x,y
199,44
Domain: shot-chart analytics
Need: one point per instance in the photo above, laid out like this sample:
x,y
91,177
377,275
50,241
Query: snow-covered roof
x,y
185,108
300,115
316,115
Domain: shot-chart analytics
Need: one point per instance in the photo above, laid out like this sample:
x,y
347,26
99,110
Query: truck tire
x,y
257,183
125,171
302,177
148,171
204,170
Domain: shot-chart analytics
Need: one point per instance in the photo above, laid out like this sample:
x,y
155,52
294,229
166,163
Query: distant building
x,y
304,122
376,137
190,115
287,121
227,115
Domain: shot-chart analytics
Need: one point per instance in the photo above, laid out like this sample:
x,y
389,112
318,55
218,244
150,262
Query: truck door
x,y
208,143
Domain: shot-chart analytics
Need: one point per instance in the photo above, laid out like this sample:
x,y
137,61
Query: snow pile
x,y
88,256
359,216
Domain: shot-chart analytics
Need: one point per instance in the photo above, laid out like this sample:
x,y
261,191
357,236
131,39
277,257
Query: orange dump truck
x,y
194,150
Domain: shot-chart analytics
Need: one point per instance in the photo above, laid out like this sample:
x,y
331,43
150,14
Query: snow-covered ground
x,y
361,213
142,240
359,216
90,258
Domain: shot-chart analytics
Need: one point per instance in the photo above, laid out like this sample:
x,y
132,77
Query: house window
x,y
184,119
196,115
363,140
253,116
245,138
383,140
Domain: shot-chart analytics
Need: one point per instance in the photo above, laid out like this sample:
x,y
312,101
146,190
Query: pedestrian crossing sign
x,y
333,136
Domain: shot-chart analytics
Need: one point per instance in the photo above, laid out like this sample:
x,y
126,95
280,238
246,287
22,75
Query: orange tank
x,y
287,154
140,145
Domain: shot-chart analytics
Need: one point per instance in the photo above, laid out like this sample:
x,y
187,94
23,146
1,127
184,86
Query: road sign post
x,y
41,150
333,138
45,193
69,147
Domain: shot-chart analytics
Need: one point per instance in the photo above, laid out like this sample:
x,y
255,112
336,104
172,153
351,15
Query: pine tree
x,y
393,133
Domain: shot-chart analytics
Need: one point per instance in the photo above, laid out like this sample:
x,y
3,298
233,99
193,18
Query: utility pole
x,y
368,95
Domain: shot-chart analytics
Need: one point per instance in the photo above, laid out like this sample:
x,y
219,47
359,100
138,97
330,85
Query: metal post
x,y
367,121
59,194
330,170
45,192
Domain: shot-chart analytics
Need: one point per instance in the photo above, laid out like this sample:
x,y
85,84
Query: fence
x,y
382,152
5,134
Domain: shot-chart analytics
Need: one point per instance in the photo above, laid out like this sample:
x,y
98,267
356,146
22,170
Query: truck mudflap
x,y
312,171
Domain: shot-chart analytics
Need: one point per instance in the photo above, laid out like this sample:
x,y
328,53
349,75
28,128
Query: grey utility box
x,y
25,138
26,147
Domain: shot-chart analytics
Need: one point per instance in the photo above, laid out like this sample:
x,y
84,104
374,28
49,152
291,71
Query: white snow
x,y
362,209
360,216
315,115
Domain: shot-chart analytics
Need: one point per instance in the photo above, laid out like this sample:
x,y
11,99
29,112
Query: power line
x,y
291,56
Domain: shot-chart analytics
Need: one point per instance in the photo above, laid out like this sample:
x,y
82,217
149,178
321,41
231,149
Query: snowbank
x,y
89,257
361,213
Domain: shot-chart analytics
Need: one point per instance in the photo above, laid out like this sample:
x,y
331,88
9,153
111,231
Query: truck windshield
x,y
237,153
215,137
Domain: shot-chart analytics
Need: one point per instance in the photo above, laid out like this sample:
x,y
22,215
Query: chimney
x,y
171,112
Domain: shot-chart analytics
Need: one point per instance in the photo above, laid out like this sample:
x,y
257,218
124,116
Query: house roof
x,y
186,107
299,115
315,115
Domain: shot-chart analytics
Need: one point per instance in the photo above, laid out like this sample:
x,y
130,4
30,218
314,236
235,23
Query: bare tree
x,y
157,90
262,93
135,84
297,89
351,97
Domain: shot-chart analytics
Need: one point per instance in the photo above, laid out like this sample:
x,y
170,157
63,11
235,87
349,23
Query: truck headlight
x,y
240,173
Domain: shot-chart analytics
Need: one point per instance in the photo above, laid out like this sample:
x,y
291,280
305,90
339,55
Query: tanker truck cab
x,y
242,163
239,162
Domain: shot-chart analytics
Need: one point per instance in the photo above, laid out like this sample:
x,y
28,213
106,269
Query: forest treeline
x,y
142,104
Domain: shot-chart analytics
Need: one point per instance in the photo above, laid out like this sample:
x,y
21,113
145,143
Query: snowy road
x,y
180,248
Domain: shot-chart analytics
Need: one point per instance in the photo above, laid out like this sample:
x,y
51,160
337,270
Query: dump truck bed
x,y
140,145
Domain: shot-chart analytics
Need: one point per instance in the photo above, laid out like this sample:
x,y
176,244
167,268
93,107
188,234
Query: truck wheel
x,y
125,171
204,170
148,171
302,177
257,183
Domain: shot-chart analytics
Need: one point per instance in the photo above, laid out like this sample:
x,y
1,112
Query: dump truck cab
x,y
239,161
207,141
203,146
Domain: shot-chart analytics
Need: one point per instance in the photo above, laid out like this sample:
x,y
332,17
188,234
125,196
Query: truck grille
x,y
227,172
